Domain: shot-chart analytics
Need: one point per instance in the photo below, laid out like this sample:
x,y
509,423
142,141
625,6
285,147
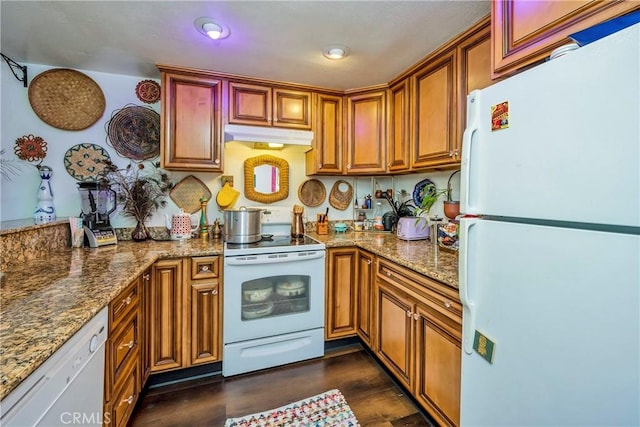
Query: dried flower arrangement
x,y
140,191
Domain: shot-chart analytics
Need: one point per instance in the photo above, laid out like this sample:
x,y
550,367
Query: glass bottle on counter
x,y
377,217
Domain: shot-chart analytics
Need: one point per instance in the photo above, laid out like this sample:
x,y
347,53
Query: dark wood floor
x,y
368,389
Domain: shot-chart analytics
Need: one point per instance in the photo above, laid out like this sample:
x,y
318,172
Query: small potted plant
x,y
451,207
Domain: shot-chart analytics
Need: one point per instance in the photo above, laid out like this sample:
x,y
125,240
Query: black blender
x,y
98,201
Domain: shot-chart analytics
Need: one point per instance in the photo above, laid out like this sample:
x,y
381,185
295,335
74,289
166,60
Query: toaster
x,y
412,228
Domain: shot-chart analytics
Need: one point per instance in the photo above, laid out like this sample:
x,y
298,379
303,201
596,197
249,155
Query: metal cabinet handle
x,y
368,262
128,400
129,344
349,166
415,316
388,273
214,292
447,303
409,313
216,161
204,268
319,165
146,276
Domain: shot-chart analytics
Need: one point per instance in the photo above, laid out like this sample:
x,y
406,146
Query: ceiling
x,y
278,40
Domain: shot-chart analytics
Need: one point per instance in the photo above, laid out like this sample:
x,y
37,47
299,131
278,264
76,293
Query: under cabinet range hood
x,y
267,135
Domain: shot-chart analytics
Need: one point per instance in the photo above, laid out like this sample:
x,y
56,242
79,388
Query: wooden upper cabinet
x,y
325,156
252,104
434,102
366,133
398,127
474,65
526,32
191,122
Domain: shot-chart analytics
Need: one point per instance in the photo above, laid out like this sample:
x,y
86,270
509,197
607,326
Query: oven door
x,y
272,294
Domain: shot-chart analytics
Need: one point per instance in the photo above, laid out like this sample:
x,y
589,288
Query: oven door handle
x,y
273,258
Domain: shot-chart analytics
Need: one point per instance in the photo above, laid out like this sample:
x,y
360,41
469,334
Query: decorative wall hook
x,y
14,65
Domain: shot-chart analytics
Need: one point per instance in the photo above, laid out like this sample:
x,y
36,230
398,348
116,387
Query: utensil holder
x,y
322,227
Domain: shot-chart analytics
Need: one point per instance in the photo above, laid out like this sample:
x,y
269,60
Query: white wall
x,y
18,195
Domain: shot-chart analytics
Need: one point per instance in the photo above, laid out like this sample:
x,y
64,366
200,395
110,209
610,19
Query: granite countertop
x,y
44,302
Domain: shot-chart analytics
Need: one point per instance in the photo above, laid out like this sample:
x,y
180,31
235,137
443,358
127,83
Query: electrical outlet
x,y
484,346
226,178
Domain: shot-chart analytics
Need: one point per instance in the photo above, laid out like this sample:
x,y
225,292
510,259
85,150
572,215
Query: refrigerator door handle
x,y
468,305
472,127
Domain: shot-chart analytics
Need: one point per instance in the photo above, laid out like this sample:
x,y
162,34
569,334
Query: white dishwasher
x,y
68,388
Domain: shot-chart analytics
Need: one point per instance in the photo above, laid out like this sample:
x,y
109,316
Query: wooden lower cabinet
x,y
185,313
341,293
166,314
364,295
418,332
206,321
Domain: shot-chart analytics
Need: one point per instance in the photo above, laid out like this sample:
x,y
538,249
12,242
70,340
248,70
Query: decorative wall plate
x,y
187,193
419,190
312,192
66,99
148,91
134,132
341,196
30,148
85,162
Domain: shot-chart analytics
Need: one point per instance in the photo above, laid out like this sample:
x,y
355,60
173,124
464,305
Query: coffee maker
x,y
98,202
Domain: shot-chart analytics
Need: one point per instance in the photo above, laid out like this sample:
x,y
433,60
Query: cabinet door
x,y
166,315
341,290
437,368
526,32
205,322
398,141
366,133
434,102
394,330
474,65
325,157
191,123
291,109
364,280
249,104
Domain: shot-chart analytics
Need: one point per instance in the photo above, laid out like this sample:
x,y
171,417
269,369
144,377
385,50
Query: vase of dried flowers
x,y
140,190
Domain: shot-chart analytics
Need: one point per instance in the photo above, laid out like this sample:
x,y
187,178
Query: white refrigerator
x,y
550,246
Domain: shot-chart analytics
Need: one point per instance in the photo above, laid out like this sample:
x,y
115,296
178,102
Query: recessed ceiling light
x,y
212,29
336,52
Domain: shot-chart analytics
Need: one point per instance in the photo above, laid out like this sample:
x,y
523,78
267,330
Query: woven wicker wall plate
x,y
85,162
134,132
312,192
66,99
187,193
341,199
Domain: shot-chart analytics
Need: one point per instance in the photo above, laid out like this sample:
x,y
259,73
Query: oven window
x,y
275,296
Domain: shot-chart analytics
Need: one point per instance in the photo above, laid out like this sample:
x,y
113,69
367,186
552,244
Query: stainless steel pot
x,y
242,225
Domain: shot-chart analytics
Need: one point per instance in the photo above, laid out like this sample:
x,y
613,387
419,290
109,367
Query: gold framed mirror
x,y
266,179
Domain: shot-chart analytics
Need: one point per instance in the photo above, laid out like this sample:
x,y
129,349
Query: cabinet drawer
x,y
126,301
441,298
119,409
122,348
206,267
